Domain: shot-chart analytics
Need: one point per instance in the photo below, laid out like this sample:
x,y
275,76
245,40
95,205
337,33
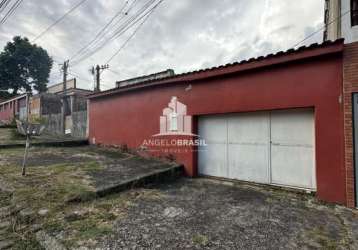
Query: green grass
x,y
201,240
27,243
64,189
321,236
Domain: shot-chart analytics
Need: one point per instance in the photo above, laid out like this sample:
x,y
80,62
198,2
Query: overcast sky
x,y
183,35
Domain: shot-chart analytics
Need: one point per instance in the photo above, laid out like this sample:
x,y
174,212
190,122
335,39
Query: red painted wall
x,y
7,114
131,117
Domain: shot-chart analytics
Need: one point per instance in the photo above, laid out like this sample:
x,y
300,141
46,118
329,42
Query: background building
x,y
12,108
73,102
155,76
49,106
341,19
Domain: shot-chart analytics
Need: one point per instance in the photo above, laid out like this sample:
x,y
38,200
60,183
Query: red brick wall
x,y
350,85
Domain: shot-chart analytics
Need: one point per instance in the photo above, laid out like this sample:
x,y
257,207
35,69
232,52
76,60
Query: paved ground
x,y
202,214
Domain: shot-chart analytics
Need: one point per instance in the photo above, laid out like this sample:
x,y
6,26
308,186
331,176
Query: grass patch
x,y
322,237
49,188
89,228
200,240
66,192
15,135
113,153
27,243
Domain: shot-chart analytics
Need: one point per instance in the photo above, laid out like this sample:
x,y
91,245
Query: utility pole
x,y
98,78
63,108
97,71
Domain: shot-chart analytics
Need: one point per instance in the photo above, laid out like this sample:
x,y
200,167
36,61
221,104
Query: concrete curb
x,y
154,177
159,176
69,143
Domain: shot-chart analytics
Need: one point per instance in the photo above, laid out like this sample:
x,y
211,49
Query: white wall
x,y
349,33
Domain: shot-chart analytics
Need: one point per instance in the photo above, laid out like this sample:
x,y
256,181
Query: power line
x,y
114,72
322,28
74,72
99,43
132,35
101,31
100,36
78,75
11,11
122,29
58,20
4,4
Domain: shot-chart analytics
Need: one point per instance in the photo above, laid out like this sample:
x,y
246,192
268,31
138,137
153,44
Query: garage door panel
x,y
292,149
292,126
292,166
248,128
265,147
212,161
213,129
249,162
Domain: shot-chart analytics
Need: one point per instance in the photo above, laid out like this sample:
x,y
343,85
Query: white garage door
x,y
264,147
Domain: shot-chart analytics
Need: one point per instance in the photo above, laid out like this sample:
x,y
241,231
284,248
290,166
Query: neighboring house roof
x,y
76,91
282,57
155,76
71,88
56,88
13,99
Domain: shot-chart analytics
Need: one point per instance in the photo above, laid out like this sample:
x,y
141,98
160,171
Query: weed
x,y
201,240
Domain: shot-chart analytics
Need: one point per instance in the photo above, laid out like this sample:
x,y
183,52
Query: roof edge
x,y
13,99
303,52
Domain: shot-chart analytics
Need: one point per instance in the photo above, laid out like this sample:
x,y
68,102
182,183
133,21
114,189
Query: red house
x,y
14,107
275,120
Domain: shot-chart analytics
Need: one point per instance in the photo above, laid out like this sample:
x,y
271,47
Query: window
x,y
354,12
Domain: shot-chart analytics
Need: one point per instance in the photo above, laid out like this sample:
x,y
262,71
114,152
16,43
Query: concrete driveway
x,y
206,214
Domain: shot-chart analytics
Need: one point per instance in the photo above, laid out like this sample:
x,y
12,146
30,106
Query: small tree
x,y
24,66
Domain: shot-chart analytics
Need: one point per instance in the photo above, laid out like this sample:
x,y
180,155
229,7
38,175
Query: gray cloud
x,y
183,35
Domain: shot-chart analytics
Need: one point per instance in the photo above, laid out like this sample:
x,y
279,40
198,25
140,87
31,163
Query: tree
x,y
24,67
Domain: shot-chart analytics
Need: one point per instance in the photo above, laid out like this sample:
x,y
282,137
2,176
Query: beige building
x,y
341,20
